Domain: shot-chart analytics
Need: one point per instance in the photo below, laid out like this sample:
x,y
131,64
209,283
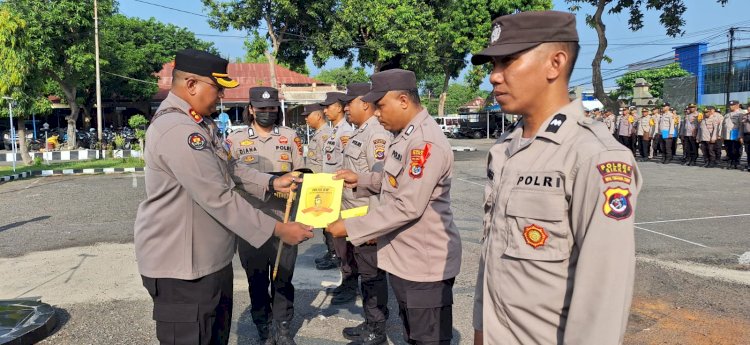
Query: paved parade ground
x,y
69,241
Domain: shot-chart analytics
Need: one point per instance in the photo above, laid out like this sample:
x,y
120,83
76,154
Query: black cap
x,y
390,80
666,104
710,107
204,64
355,90
263,96
733,102
517,32
332,97
692,105
311,108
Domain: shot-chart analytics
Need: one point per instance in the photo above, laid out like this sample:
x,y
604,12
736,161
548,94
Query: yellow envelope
x,y
354,212
319,200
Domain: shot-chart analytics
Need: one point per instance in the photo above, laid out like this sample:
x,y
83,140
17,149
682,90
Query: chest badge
x,y
248,159
284,157
197,141
535,235
283,140
392,181
246,143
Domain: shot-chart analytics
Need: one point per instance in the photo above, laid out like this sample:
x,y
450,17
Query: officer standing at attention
x,y
625,128
731,134
186,228
665,126
418,242
558,255
745,138
333,161
689,131
365,153
644,133
268,147
314,118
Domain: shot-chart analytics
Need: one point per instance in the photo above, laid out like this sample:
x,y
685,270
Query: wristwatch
x,y
270,182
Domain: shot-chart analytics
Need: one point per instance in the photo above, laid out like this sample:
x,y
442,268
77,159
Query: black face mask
x,y
266,118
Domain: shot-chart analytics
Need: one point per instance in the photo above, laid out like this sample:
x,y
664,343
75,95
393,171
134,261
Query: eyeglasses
x,y
218,88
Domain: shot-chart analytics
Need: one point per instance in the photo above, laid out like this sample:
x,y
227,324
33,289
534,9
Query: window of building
x,y
714,77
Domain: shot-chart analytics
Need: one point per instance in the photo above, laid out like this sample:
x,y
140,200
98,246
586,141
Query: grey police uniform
x,y
366,153
418,242
558,238
730,132
665,129
745,131
314,160
688,131
708,135
333,149
280,151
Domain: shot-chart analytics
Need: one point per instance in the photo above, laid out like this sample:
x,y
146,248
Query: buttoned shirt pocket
x,y
353,151
536,221
249,159
391,173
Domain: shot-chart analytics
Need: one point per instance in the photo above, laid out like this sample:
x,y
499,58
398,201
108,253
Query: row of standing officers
x,y
557,252
657,130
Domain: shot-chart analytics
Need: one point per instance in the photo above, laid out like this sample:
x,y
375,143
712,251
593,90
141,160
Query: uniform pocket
x,y
392,170
536,220
177,323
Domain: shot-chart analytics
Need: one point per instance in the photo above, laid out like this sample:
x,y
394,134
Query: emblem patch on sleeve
x,y
535,235
418,160
617,203
197,141
615,172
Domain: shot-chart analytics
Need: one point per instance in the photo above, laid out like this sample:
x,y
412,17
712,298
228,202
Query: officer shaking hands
x,y
417,241
558,255
185,230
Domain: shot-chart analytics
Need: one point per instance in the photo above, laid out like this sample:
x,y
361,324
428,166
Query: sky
x,y
705,21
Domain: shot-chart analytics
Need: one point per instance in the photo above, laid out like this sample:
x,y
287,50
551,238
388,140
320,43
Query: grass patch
x,y
130,162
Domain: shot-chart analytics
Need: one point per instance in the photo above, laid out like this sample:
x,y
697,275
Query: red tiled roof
x,y
247,74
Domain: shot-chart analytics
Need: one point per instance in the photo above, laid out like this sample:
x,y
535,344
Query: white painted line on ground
x,y
699,218
672,237
33,183
472,182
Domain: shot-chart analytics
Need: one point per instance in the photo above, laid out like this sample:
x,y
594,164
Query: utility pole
x,y
730,67
98,79
13,136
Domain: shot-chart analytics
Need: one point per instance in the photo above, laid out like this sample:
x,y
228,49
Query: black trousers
x,y
329,242
709,151
746,139
373,283
192,311
656,142
345,251
426,310
690,146
625,141
666,149
644,146
674,147
717,149
734,150
258,264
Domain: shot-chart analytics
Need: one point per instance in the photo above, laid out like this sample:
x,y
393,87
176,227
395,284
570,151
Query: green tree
x,y
654,76
380,34
343,76
288,24
20,80
255,52
463,26
670,17
458,94
61,39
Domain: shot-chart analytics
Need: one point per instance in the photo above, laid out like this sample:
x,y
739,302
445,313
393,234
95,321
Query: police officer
x,y
314,118
626,128
731,134
708,133
365,153
688,132
186,228
644,133
333,160
418,242
665,126
268,147
745,138
558,255
609,121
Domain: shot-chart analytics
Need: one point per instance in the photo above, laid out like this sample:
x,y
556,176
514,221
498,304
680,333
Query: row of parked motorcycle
x,y
56,138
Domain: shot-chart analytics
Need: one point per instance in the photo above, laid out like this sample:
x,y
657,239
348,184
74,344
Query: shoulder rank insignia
x,y
409,130
617,203
556,123
195,116
534,235
418,160
250,132
275,129
197,141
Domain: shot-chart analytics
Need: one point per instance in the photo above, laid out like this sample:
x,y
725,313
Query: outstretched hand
x,y
350,178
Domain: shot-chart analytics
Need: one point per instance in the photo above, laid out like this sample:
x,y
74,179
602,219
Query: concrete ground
x,y
69,241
